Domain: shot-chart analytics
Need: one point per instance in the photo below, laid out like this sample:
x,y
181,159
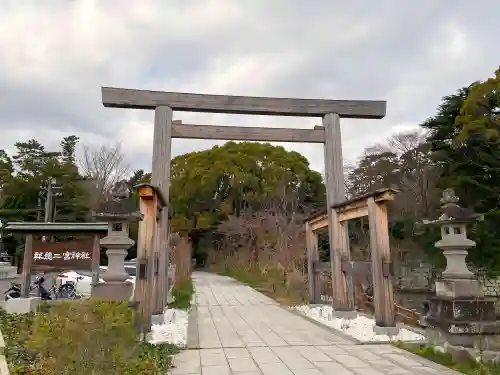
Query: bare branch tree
x,y
403,143
418,174
105,166
376,149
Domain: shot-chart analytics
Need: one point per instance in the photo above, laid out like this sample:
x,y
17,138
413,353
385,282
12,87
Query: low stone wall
x,y
415,276
7,271
418,281
491,288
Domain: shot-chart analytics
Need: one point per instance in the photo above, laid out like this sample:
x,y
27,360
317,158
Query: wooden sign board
x,y
69,255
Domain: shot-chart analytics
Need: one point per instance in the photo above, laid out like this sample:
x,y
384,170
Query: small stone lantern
x,y
455,246
119,212
459,313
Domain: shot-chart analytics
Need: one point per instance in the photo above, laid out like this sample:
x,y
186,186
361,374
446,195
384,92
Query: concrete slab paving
x,y
239,331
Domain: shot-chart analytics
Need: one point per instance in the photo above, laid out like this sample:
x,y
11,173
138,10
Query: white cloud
x,y
55,55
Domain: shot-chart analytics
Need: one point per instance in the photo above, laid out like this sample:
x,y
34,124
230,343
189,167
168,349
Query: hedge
x,y
80,338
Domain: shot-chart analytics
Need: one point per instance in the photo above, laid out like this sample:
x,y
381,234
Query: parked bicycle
x,y
38,289
68,290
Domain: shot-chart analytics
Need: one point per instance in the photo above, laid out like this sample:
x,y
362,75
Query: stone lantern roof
x,y
120,206
452,212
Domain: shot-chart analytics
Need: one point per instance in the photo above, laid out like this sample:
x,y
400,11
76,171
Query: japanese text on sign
x,y
76,254
68,255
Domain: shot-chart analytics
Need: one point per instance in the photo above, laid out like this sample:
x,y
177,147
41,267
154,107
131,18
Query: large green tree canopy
x,y
209,185
465,142
23,175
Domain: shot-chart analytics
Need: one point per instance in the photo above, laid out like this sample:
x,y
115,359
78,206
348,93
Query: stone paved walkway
x,y
236,330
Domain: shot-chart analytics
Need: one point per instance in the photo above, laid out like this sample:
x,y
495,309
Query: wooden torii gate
x,y
373,205
164,103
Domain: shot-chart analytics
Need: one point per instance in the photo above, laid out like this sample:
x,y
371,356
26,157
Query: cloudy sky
x,y
56,54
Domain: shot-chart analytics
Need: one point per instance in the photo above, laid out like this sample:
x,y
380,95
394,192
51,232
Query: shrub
x,y
81,337
182,292
16,330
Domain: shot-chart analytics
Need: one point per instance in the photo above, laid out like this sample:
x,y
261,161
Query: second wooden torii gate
x,y
373,205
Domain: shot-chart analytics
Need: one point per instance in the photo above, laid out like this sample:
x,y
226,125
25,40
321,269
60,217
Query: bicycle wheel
x,y
66,291
34,292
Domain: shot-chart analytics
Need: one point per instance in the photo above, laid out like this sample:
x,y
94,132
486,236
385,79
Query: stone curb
x,y
4,368
350,338
2,344
193,339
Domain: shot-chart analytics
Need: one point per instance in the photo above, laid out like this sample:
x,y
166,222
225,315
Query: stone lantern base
x,y
112,290
459,288
462,321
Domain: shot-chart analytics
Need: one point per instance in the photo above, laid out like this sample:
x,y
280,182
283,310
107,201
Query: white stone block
x,y
7,272
21,305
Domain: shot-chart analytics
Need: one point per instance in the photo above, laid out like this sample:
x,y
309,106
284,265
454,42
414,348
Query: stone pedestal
x,y
116,261
21,305
459,321
113,290
459,288
459,314
456,266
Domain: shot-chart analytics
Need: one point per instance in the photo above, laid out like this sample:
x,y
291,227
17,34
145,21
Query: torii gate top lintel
x,y
250,105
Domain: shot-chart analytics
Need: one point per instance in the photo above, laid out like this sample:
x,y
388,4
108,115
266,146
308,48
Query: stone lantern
x,y
455,246
119,212
459,313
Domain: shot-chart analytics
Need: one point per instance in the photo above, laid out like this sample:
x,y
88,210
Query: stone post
x,y
173,242
118,212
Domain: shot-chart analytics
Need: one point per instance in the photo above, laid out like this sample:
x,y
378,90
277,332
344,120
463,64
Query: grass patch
x,y
445,359
252,279
80,337
287,288
182,292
